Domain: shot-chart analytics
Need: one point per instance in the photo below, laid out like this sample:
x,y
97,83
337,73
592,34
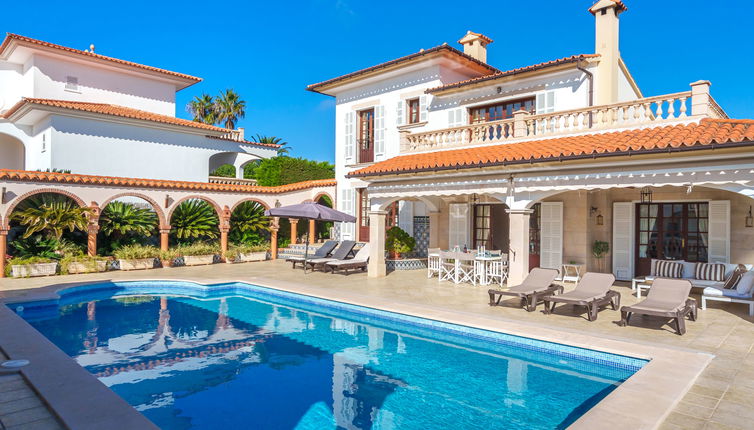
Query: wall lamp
x,y
749,219
600,219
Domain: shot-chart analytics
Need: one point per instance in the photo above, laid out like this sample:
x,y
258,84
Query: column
x,y
91,242
164,238
294,229
434,230
376,267
700,98
312,231
3,251
224,240
274,226
518,254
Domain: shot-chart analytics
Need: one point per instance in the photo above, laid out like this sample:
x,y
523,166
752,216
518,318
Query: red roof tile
x,y
114,110
425,52
77,52
499,74
706,134
72,178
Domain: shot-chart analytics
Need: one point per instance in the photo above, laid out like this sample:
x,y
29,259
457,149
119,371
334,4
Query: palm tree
x,y
52,215
119,219
284,148
194,219
203,109
229,108
247,221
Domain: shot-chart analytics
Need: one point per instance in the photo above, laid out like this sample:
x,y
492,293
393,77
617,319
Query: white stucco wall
x,y
95,147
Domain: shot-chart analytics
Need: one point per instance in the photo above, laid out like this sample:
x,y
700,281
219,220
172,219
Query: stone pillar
x,y
224,240
165,238
405,145
700,98
312,231
518,254
376,267
91,242
274,226
294,230
3,250
434,229
519,122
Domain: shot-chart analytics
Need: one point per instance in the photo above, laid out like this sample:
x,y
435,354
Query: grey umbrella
x,y
310,210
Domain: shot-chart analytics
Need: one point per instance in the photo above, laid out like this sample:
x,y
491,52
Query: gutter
x,y
590,100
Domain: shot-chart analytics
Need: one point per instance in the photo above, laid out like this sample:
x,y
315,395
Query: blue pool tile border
x,y
69,295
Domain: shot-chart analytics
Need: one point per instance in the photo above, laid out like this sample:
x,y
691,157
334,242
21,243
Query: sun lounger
x,y
359,261
592,291
538,283
343,252
667,298
321,252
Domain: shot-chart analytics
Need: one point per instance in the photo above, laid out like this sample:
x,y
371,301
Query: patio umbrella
x,y
310,210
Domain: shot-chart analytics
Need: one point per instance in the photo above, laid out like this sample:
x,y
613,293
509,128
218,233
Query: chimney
x,y
606,37
241,136
475,45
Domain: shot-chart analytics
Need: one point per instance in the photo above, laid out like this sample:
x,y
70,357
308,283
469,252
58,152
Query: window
x,y
413,111
71,83
482,226
366,136
498,111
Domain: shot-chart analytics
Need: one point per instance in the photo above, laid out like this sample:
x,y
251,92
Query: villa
x,y
542,160
557,187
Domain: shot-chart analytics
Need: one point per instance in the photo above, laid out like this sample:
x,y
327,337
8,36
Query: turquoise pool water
x,y
240,356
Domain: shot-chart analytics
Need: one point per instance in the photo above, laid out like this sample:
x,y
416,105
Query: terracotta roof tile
x,y
114,110
72,178
10,36
619,5
502,74
630,142
445,47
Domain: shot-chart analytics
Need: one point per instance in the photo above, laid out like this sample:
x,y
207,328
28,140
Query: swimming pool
x,y
240,356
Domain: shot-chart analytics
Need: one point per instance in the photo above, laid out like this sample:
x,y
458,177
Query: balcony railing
x,y
646,111
231,181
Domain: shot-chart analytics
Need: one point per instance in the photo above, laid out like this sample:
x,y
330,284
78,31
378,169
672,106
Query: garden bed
x,y
33,270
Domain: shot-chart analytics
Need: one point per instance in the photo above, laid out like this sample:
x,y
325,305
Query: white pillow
x,y
746,283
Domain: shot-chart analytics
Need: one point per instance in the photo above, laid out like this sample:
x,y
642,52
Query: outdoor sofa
x,y
537,284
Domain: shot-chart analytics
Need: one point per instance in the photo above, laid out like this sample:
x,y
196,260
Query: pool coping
x,y
641,402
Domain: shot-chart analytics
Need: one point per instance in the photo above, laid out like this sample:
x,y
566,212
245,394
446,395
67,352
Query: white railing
x,y
649,111
231,181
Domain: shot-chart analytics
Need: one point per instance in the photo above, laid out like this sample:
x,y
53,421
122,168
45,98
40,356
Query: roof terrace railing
x,y
646,111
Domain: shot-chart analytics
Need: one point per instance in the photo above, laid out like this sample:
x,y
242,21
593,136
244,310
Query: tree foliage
x,y
229,108
224,171
194,220
248,224
202,108
283,170
51,214
284,148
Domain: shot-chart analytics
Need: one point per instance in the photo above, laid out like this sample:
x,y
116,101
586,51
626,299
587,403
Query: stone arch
x,y
383,202
160,215
218,209
324,194
249,199
21,198
12,152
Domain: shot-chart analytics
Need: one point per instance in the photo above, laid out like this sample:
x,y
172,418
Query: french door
x,y
391,219
535,242
366,136
671,231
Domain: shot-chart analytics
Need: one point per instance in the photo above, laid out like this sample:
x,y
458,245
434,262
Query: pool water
x,y
240,356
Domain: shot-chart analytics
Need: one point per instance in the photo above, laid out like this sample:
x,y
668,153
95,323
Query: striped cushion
x,y
710,272
734,277
668,269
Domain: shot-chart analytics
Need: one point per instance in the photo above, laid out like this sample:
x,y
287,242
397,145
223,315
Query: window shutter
x,y
399,116
347,229
423,108
379,132
458,225
455,117
551,235
461,117
623,241
550,102
350,137
540,103
406,216
718,248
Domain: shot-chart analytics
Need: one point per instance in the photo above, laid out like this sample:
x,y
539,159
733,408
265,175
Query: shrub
x,y
283,170
194,220
134,252
398,241
51,214
248,224
224,171
45,247
19,261
89,262
246,249
198,248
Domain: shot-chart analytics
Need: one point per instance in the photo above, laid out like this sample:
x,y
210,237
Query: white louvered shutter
x,y
347,229
718,248
458,225
379,132
623,240
406,216
455,117
423,108
399,116
350,137
551,235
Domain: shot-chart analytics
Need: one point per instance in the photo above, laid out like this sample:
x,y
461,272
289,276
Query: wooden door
x,y
363,215
366,136
535,223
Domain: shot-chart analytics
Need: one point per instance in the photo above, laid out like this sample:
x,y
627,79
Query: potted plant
x,y
398,242
242,253
32,266
197,254
599,250
137,257
81,263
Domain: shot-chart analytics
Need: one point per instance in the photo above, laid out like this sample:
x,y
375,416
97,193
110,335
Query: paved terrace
x,y
721,398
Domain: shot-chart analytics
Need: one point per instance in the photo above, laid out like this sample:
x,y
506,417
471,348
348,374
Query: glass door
x,y
363,215
534,237
483,226
366,136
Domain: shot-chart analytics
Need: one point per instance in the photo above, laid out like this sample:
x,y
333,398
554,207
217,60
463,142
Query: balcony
x,y
650,111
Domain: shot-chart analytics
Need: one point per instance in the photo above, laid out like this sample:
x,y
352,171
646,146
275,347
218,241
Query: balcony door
x,y
366,136
671,231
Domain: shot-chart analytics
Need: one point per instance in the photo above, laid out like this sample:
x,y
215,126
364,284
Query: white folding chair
x,y
466,268
433,262
447,266
497,271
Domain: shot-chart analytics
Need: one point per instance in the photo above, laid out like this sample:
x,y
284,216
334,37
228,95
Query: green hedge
x,y
287,170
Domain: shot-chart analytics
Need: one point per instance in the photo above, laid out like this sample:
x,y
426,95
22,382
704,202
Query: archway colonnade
x,y
96,192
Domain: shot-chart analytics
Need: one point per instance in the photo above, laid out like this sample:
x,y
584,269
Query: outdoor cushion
x,y
689,269
732,280
717,292
669,269
700,283
710,271
746,283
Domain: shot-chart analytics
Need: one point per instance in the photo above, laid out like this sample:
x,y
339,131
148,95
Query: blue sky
x,y
269,51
